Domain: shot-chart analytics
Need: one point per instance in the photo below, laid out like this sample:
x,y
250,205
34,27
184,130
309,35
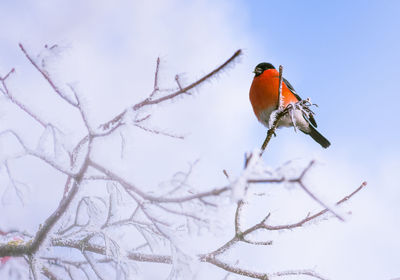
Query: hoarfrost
x,y
184,266
239,187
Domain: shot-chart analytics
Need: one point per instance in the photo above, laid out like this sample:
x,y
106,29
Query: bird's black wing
x,y
291,88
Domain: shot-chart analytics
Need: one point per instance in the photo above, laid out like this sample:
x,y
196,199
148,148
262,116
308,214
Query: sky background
x,y
343,55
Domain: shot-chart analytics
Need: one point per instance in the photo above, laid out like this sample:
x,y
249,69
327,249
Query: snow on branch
x,y
23,107
46,75
182,90
282,111
113,232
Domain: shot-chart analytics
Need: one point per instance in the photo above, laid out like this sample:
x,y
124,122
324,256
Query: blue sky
x,y
344,55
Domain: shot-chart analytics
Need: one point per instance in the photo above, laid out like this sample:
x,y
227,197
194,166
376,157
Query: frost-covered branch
x,y
242,236
131,187
125,224
278,116
47,77
299,181
41,156
5,90
306,272
182,90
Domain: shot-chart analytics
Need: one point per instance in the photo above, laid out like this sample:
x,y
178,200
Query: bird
x,y
264,100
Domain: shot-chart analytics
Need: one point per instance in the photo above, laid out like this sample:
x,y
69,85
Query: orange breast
x,y
264,92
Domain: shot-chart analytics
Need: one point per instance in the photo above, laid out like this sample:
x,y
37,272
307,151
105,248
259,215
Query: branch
x,y
211,257
280,96
309,218
85,246
47,77
156,88
50,275
307,272
146,196
280,114
33,153
8,94
233,269
299,180
33,246
155,131
149,101
242,236
81,111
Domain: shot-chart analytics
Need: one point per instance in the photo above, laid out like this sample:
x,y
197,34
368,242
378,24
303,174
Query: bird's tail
x,y
318,137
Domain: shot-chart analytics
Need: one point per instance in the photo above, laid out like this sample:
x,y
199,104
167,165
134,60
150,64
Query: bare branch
x,y
83,115
151,198
178,82
235,269
263,243
159,132
15,183
278,116
156,88
38,155
323,204
90,228
312,217
8,94
7,75
50,275
47,77
149,101
211,257
280,96
242,236
299,181
33,267
92,265
84,246
307,272
189,215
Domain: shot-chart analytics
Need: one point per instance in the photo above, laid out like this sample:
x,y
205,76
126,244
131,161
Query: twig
x,y
178,82
14,183
156,88
131,187
234,269
82,112
308,272
33,153
8,94
308,218
47,77
50,275
211,257
278,116
155,131
312,195
262,225
148,101
92,265
280,96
